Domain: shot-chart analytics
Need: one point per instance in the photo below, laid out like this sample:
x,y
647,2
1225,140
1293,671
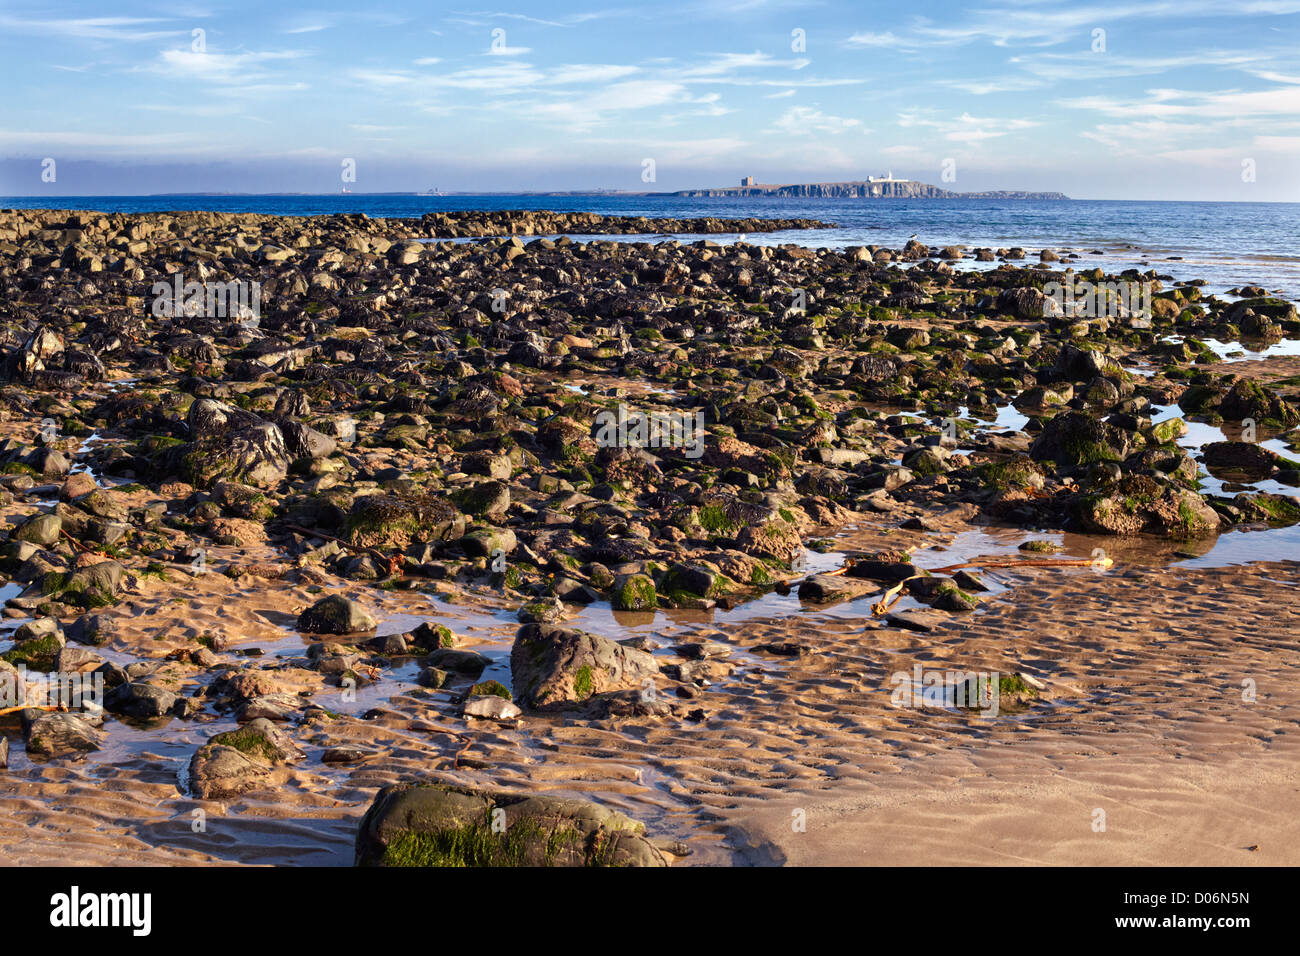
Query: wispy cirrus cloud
x,y
117,29
1282,101
247,69
732,64
868,39
806,121
964,128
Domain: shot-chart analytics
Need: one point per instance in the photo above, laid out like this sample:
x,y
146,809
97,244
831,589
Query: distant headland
x,y
873,187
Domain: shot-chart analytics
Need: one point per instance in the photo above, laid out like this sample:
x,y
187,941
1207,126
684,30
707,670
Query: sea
x,y
1226,244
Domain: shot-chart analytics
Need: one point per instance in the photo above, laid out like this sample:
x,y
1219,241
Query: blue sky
x,y
1172,100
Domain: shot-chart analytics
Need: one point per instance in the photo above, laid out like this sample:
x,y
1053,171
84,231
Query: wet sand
x,y
1142,717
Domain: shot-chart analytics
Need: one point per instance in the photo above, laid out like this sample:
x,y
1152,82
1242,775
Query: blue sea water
x,y
1226,244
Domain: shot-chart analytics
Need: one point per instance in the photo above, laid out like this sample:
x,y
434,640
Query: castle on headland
x,y
873,187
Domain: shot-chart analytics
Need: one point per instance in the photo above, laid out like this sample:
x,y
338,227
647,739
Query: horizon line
x,y
631,194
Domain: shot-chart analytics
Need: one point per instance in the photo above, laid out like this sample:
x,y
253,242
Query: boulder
x,y
1238,459
439,825
634,592
1138,503
1027,303
240,760
138,699
469,663
823,589
59,734
218,772
1077,438
335,615
555,668
1247,399
392,523
42,530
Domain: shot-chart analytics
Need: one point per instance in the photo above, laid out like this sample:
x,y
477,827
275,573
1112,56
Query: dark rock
x,y
335,615
558,668
59,734
438,825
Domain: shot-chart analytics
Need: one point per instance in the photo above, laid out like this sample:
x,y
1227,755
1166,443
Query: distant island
x,y
873,187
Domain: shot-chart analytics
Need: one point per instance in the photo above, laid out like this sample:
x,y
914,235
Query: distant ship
x,y
435,191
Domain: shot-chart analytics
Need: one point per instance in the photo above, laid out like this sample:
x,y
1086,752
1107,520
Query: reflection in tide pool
x,y
1008,418
1245,351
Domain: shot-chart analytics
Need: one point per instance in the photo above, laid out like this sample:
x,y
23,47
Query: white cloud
x,y
586,111
232,68
802,120
726,64
588,73
885,39
985,87
129,29
1281,101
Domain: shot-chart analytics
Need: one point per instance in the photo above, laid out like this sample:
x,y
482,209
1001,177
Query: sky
x,y
1112,99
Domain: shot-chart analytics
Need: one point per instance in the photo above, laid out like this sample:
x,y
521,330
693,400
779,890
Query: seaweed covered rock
x,y
240,760
1074,364
634,592
393,522
256,455
1247,399
1275,310
95,585
485,499
230,443
440,825
1138,503
556,668
1077,438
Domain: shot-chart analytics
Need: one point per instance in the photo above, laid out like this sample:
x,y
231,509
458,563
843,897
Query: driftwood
x,y
22,707
1031,563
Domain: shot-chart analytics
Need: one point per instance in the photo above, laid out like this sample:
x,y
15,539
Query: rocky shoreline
x,y
561,425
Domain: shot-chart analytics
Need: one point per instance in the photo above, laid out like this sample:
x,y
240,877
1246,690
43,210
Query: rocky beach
x,y
477,538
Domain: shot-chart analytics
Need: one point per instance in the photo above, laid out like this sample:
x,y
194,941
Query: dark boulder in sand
x,y
440,825
240,760
59,734
335,615
555,668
